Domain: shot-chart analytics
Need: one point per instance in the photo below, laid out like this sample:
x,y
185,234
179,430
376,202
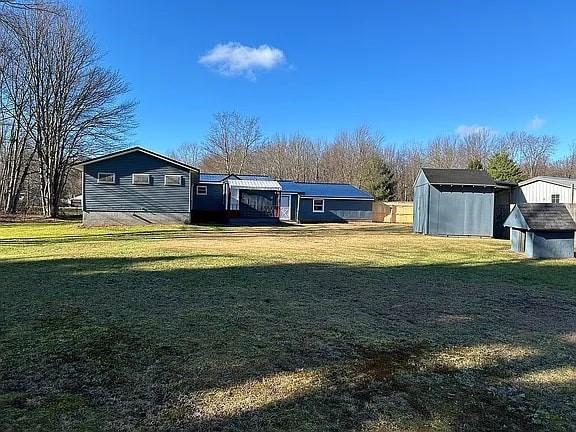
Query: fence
x,y
401,212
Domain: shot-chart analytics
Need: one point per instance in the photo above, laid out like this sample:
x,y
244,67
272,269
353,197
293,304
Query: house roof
x,y
325,190
541,217
220,177
560,181
254,184
460,177
136,149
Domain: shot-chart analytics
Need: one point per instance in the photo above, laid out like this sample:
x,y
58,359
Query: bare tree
x,y
189,153
443,152
231,139
76,104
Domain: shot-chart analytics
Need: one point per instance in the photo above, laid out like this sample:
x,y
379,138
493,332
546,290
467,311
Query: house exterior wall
x,y
541,192
336,210
461,210
550,244
213,201
123,196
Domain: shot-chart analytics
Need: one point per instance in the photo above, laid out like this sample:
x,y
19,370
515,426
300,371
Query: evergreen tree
x,y
378,179
501,167
474,163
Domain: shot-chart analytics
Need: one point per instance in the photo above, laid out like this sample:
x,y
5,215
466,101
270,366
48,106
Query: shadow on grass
x,y
151,343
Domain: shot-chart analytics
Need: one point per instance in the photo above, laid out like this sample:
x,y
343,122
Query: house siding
x,y
123,196
541,192
336,210
213,201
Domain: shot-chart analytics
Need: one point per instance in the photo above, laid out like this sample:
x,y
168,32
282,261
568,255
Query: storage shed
x,y
542,230
455,202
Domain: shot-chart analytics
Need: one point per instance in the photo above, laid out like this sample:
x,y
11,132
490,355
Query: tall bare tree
x,y
189,152
77,104
231,139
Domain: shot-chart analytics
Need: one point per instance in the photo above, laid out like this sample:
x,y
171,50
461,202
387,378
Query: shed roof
x,y
541,217
460,177
325,190
133,150
254,184
220,177
560,181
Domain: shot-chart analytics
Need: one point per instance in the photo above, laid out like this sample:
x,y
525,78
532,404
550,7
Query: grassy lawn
x,y
317,328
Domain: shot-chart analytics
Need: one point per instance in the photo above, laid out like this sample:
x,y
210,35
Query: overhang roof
x,y
458,177
560,181
541,217
254,184
325,190
136,149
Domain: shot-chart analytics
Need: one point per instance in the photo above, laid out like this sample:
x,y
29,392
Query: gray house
x,y
460,202
136,186
542,230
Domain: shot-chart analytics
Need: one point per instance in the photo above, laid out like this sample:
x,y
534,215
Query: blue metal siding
x,y
460,210
550,244
293,207
124,196
336,210
517,239
213,201
421,201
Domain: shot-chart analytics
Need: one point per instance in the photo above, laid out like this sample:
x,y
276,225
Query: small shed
x,y
542,230
454,202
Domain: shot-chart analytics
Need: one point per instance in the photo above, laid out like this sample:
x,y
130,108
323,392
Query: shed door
x,y
285,209
522,241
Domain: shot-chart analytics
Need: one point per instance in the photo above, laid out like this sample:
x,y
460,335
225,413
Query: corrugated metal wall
x,y
421,205
549,244
125,196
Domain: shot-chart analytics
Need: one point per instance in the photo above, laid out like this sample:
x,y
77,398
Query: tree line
x,y
363,157
57,103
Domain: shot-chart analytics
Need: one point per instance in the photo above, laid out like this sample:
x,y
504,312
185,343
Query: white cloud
x,y
464,130
233,58
537,122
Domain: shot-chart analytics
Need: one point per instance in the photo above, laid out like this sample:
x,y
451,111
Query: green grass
x,y
336,327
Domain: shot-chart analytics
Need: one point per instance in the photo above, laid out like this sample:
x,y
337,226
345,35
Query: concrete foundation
x,y
99,218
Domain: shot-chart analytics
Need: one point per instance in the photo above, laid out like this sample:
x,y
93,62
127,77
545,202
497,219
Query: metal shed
x,y
542,230
457,202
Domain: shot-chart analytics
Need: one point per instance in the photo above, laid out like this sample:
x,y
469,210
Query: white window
x,y
318,206
106,178
172,180
555,198
201,190
141,179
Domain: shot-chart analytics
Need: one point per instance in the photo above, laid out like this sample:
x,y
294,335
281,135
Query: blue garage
x,y
324,202
542,230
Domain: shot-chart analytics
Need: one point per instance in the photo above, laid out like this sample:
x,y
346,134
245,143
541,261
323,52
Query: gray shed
x,y
454,202
542,230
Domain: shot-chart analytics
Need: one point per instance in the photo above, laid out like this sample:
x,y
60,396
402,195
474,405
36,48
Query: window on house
x,y
140,179
173,180
555,198
318,206
107,178
201,190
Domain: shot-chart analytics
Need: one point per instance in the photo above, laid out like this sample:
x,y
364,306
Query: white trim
x,y
298,209
314,205
135,149
336,198
205,190
142,174
103,174
289,196
173,175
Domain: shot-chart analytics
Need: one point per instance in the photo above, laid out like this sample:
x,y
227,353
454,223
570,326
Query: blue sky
x,y
409,69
